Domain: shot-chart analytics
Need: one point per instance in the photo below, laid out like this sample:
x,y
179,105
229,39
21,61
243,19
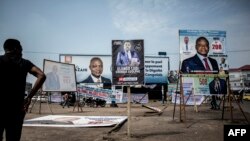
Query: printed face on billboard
x,y
91,70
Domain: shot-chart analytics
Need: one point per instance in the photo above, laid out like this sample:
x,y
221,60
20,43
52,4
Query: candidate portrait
x,y
200,61
96,68
52,82
128,56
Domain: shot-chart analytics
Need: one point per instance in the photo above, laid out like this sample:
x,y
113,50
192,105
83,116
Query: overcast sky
x,y
47,28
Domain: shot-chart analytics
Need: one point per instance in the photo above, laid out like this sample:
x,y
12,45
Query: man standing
x,y
13,74
200,61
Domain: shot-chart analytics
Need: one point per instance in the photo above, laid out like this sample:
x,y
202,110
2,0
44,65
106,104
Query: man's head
x,y
186,40
216,78
223,60
171,73
96,66
221,68
13,47
54,69
127,45
202,46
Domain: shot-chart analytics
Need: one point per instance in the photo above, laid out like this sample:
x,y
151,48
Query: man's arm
x,y
39,82
118,61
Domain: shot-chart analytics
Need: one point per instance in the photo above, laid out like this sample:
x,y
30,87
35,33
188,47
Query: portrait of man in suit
x,y
96,68
223,64
200,61
217,87
52,82
127,57
187,47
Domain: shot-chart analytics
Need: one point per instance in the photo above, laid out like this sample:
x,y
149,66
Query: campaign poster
x,y
84,69
203,51
128,62
59,76
209,84
156,69
75,121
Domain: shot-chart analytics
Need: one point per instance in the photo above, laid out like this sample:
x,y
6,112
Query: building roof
x,y
243,68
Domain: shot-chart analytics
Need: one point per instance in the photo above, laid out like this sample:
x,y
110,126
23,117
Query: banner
x,y
135,98
104,94
128,62
74,121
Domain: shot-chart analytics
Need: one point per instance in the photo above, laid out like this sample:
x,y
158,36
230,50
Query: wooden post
x,y
162,93
175,98
194,99
129,112
230,101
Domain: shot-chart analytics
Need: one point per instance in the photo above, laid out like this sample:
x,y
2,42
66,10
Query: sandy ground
x,y
204,125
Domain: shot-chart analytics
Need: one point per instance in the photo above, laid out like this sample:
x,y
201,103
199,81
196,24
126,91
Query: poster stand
x,y
182,101
194,99
231,97
39,96
129,112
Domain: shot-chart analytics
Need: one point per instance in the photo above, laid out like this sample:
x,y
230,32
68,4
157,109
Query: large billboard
x,y
203,51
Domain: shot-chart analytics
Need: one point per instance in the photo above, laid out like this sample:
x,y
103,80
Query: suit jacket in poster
x,y
123,60
90,80
195,64
52,81
221,90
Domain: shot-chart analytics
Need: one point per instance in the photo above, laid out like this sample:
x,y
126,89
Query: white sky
x,y
47,28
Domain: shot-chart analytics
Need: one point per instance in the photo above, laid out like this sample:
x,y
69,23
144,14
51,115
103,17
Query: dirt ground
x,y
204,125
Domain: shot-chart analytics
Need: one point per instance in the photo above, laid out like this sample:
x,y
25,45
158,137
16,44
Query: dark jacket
x,y
90,80
221,90
195,64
